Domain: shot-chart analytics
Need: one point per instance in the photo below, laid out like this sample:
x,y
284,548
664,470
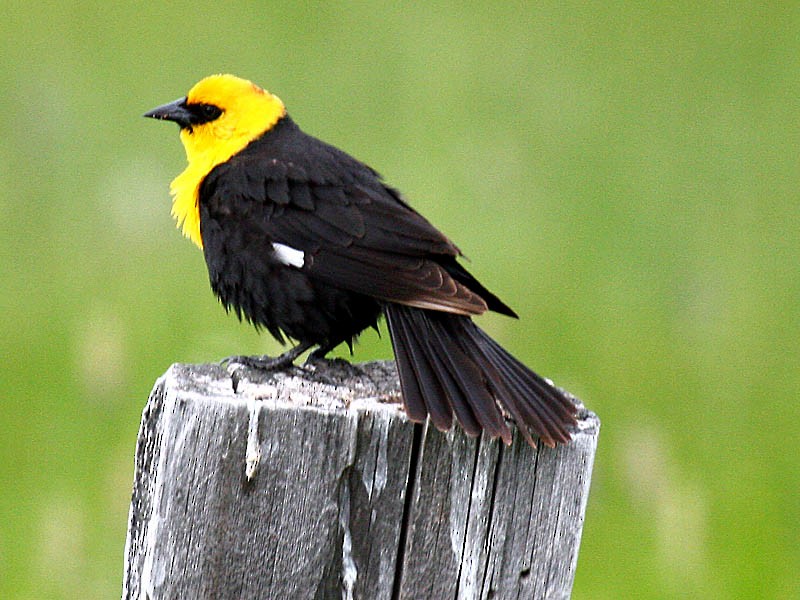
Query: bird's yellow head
x,y
219,116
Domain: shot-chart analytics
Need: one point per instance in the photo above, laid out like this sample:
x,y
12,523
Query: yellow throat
x,y
247,112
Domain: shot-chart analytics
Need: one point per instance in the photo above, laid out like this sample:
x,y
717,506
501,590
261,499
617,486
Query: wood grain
x,y
312,483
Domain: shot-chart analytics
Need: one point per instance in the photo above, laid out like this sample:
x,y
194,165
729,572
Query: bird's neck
x,y
206,147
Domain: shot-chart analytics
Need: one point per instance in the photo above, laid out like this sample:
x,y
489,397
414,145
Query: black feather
x,y
487,376
365,251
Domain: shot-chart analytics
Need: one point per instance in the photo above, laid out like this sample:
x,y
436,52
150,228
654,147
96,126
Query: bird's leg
x,y
269,363
318,356
319,353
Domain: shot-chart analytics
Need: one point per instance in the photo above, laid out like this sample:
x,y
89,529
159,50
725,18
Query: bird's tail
x,y
449,366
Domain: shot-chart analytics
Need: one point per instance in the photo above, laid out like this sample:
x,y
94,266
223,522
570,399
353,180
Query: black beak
x,y
174,111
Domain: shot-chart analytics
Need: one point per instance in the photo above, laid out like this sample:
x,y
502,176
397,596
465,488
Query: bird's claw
x,y
261,363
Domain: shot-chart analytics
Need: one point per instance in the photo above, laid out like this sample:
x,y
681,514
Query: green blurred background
x,y
626,178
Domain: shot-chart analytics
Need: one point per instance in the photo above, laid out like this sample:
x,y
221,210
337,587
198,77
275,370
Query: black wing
x,y
355,233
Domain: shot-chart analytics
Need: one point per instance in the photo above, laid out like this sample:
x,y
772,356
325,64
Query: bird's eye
x,y
203,113
209,112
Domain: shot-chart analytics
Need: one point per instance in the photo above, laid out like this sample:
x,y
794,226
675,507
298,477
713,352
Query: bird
x,y
309,243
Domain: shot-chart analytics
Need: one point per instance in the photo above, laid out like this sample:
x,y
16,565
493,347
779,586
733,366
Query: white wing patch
x,y
289,256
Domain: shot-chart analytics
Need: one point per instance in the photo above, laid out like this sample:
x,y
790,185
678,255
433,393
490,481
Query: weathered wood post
x,y
311,483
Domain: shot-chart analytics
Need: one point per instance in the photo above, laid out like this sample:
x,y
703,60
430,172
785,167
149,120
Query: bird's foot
x,y
338,368
261,363
267,363
264,364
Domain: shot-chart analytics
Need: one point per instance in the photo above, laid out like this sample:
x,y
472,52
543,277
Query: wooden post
x,y
311,483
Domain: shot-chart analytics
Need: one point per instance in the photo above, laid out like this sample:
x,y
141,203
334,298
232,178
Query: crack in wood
x,y
341,496
411,485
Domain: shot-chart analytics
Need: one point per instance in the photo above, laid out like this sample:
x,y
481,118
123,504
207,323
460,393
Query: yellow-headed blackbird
x,y
310,243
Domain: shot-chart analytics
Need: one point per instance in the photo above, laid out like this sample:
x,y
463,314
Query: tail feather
x,y
552,410
413,398
458,366
430,360
448,365
444,373
426,388
564,407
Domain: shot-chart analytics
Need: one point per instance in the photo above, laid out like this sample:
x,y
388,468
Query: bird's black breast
x,y
239,203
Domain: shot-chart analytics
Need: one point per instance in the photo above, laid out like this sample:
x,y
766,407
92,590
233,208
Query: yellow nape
x,y
247,112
